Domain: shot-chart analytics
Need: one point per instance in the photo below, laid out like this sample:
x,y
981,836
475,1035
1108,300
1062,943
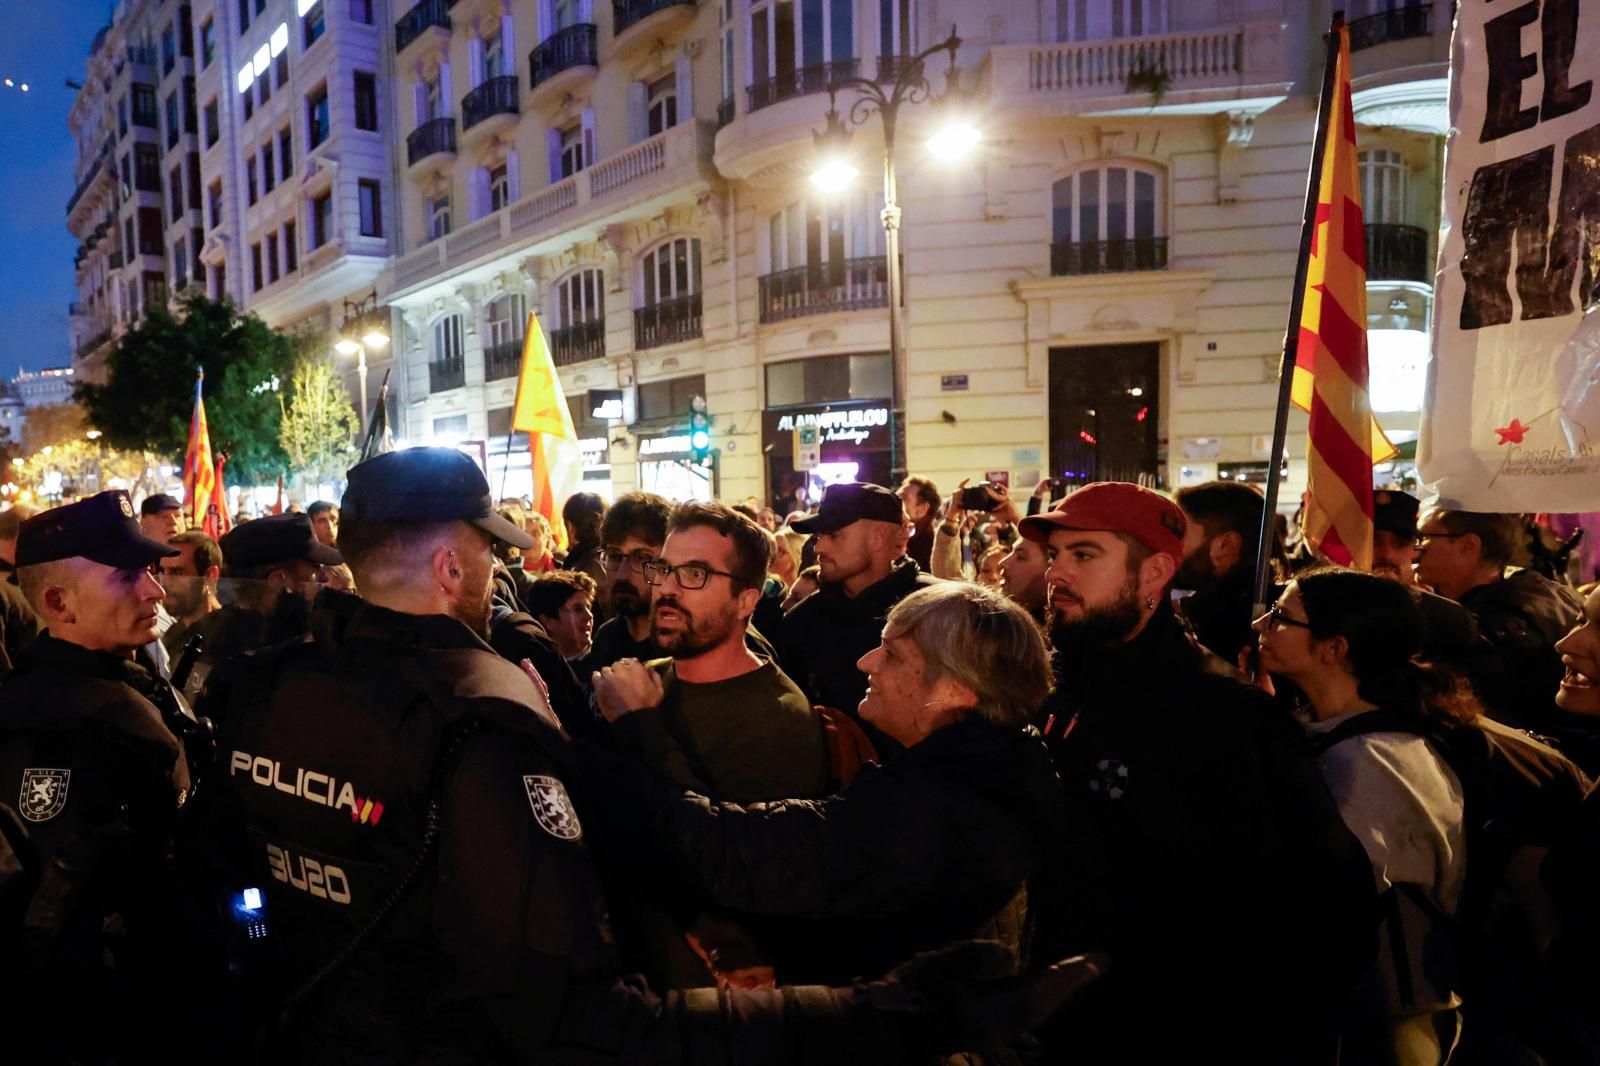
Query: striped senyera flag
x,y
1330,367
199,469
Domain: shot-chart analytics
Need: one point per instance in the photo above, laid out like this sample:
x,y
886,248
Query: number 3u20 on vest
x,y
322,880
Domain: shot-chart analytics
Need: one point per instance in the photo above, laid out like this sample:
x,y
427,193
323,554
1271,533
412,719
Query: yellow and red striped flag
x,y
199,469
1330,367
541,412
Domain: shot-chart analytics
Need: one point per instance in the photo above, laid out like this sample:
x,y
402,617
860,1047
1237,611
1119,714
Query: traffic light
x,y
699,430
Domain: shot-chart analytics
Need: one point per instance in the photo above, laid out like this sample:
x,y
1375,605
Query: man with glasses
x,y
630,536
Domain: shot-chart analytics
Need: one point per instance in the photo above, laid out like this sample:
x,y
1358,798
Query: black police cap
x,y
851,501
1395,511
160,503
425,485
278,538
101,529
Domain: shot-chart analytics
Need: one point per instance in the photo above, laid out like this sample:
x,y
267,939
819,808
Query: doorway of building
x,y
1104,413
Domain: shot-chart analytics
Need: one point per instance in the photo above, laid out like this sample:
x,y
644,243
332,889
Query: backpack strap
x,y
1378,721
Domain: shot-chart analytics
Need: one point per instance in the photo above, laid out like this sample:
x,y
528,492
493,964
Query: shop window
x,y
661,401
830,379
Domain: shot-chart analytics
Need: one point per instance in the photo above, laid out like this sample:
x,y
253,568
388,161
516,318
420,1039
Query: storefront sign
x,y
605,404
807,448
676,445
855,424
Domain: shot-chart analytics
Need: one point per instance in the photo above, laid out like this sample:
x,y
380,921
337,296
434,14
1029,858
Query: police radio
x,y
250,913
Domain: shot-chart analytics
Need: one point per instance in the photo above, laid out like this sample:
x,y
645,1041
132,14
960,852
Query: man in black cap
x,y
161,517
93,752
454,911
1394,535
861,541
273,567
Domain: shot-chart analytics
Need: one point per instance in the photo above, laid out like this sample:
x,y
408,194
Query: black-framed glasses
x,y
690,576
1276,619
1423,538
611,559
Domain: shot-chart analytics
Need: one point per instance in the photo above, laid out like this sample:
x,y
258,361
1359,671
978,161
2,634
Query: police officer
x,y
92,752
272,567
404,805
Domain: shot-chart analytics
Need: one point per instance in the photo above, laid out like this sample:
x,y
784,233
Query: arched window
x,y
669,309
580,317
1383,186
447,367
1108,218
505,322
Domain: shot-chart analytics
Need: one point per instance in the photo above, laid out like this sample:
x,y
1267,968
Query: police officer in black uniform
x,y
271,566
93,754
402,804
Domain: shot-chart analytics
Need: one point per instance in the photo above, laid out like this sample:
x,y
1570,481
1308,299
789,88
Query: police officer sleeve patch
x,y
552,807
44,793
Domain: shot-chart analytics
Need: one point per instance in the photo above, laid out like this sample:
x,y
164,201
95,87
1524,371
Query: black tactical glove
x,y
966,997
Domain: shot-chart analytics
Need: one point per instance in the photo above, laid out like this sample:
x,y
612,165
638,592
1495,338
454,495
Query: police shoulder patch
x,y
44,793
552,807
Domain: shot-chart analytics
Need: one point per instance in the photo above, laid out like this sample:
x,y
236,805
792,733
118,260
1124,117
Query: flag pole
x,y
372,417
1291,334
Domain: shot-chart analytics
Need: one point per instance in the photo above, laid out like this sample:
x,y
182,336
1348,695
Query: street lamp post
x,y
362,329
910,86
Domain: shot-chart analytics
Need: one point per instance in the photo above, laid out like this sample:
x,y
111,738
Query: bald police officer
x,y
92,752
404,800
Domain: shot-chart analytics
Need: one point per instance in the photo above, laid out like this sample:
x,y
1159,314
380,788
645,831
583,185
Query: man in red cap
x,y
1238,880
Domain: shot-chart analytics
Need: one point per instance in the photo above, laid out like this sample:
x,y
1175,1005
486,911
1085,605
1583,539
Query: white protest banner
x,y
1512,420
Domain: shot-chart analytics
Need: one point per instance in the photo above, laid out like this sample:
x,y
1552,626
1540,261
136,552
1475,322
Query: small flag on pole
x,y
200,481
1330,370
379,439
541,412
277,507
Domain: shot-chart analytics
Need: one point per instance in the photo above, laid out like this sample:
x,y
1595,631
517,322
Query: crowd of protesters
x,y
902,776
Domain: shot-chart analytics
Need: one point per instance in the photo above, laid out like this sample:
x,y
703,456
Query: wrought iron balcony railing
x,y
578,343
850,285
434,135
415,23
496,96
800,82
667,322
625,13
1397,253
502,360
446,374
1108,257
1396,25
575,46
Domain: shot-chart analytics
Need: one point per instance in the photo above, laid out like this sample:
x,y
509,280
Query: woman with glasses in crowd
x,y
1349,640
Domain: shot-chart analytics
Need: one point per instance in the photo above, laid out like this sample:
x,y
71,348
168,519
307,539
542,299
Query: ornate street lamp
x,y
955,135
364,326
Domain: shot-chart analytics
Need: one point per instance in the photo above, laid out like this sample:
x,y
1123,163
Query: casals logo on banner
x,y
1512,421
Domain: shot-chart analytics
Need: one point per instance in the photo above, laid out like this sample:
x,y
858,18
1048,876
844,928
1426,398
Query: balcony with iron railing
x,y
667,322
502,360
437,136
579,342
802,81
429,14
446,374
1400,24
851,285
1069,258
492,106
1397,253
574,49
640,24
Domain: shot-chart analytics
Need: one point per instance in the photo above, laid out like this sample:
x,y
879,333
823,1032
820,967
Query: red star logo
x,y
1513,433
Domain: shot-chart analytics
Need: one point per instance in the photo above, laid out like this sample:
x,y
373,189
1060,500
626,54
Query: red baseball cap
x,y
1116,507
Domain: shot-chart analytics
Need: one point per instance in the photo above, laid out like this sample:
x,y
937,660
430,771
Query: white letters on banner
x,y
1512,421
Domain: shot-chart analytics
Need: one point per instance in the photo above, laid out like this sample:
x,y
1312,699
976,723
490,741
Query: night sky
x,y
43,44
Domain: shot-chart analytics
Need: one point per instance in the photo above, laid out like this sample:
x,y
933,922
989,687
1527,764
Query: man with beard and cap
x,y
1219,563
455,914
861,540
95,752
273,566
1236,877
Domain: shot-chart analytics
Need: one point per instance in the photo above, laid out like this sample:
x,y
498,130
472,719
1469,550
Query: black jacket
x,y
825,633
501,951
1237,880
98,780
930,847
1220,615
